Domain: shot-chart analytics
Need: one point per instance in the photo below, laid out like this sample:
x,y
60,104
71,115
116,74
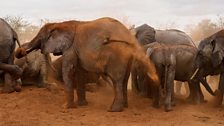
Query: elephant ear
x,y
58,41
145,34
217,53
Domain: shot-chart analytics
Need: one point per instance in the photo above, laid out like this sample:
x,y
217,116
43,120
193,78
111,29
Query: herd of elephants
x,y
105,48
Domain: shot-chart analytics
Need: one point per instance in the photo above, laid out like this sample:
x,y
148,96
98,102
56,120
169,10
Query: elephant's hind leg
x,y
118,103
80,89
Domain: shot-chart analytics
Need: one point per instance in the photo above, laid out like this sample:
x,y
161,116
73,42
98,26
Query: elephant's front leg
x,y
9,84
68,83
195,95
219,93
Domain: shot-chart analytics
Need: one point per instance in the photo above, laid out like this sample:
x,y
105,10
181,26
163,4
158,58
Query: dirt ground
x,y
41,107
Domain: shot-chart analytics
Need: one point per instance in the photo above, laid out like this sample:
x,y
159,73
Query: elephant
x,y
95,46
209,60
35,68
175,62
146,34
9,72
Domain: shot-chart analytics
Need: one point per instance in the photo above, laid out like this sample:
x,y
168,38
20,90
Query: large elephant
x,y
210,59
35,68
104,46
146,34
8,71
176,62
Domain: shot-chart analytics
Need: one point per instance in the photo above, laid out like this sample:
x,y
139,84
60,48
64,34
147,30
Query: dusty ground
x,y
40,107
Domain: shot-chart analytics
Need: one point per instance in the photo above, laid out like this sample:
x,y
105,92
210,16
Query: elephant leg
x,y
169,85
219,93
125,83
9,85
67,66
12,69
156,96
194,96
199,96
80,88
134,81
118,103
10,78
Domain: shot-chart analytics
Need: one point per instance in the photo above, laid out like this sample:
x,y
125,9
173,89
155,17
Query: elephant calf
x,y
87,77
175,62
35,69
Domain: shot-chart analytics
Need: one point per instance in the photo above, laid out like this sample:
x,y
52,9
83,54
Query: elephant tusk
x,y
195,72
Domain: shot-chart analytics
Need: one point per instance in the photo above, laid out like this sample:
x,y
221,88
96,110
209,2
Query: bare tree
x,y
23,28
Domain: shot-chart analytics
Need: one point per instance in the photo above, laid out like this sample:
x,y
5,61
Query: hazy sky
x,y
157,13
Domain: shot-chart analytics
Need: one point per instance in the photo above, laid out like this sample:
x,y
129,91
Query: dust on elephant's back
x,y
92,39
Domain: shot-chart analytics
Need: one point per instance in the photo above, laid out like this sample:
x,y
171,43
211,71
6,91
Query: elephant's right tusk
x,y
195,72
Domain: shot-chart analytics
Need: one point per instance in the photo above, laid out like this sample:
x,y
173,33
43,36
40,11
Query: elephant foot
x,y
18,87
69,105
52,87
173,103
168,108
218,98
116,108
156,105
41,85
126,104
194,101
82,102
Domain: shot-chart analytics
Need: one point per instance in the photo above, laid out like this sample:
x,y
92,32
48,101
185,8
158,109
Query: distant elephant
x,y
176,62
146,34
104,46
210,59
35,68
8,71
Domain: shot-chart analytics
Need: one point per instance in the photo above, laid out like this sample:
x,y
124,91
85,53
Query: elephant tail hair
x,y
148,66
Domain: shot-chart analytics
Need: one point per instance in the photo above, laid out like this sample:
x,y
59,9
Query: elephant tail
x,y
147,66
16,38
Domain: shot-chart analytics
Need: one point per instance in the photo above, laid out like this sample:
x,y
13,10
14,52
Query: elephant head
x,y
211,50
52,38
145,34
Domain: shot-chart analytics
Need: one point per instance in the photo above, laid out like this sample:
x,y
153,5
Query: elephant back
x,y
5,31
173,36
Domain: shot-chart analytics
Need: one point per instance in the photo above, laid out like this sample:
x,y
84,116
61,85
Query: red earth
x,y
40,107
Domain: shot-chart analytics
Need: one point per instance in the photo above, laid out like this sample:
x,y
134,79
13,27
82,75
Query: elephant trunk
x,y
148,66
28,47
206,85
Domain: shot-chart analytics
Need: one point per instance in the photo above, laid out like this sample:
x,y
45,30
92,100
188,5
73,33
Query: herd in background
x,y
105,49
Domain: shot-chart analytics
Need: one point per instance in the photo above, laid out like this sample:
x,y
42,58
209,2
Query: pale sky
x,y
157,13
